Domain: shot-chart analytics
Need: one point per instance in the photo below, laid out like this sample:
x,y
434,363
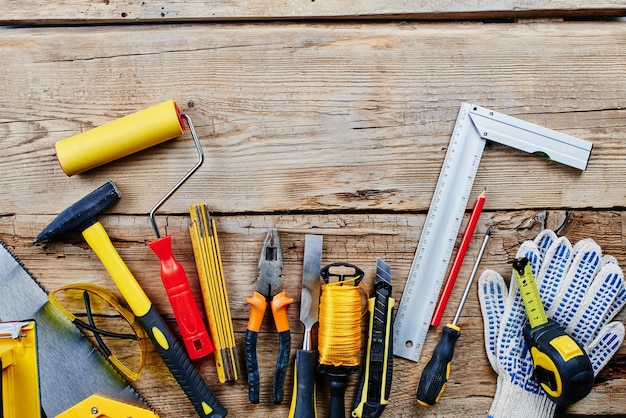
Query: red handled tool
x,y
192,328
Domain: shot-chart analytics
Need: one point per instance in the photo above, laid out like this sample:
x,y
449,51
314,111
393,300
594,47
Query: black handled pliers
x,y
269,289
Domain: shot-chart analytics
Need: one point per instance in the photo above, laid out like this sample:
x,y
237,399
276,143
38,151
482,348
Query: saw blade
x,y
70,367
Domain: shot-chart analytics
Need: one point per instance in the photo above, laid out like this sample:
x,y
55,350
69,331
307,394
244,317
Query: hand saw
x,y
70,368
474,126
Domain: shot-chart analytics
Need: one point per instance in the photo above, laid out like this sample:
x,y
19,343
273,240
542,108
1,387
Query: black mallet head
x,y
82,213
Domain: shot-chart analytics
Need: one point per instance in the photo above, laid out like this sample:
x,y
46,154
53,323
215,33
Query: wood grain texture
x,y
334,128
311,117
195,10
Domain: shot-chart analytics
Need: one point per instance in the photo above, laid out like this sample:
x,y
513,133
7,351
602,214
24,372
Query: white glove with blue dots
x,y
580,289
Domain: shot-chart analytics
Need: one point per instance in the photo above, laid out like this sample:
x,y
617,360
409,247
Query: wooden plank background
x,y
100,11
331,127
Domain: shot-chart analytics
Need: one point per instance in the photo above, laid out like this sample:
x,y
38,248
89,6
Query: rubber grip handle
x,y
435,374
279,304
303,404
179,364
193,331
282,362
337,383
253,366
258,304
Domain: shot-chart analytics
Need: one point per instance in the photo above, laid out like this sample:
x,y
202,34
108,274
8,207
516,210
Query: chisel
x,y
303,397
375,385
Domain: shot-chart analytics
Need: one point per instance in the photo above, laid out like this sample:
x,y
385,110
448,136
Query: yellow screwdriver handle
x,y
99,241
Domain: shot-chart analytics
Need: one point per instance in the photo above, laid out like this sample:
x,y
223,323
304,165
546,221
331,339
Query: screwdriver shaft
x,y
471,278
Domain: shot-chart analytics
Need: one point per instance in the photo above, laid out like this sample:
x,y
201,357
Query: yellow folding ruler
x,y
474,125
209,264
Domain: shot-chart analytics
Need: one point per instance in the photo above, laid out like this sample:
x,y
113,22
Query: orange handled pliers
x,y
269,289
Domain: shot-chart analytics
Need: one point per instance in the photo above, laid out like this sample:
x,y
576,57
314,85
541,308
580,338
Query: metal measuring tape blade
x,y
474,125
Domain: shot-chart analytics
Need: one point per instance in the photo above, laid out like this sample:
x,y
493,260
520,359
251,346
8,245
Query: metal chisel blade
x,y
70,369
309,299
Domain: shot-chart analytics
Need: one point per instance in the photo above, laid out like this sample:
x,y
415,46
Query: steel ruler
x,y
474,125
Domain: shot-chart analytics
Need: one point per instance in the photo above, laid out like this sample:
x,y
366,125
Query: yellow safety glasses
x,y
112,326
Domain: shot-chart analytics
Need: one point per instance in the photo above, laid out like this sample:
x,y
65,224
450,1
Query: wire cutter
x,y
269,289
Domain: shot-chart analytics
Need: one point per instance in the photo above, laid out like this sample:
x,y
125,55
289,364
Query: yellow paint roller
x,y
125,136
119,138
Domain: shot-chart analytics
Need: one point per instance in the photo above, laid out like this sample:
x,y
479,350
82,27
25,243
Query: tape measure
x,y
474,125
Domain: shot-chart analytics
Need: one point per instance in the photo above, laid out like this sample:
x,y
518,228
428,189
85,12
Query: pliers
x,y
269,289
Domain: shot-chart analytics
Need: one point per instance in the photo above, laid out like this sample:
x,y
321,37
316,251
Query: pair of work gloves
x,y
580,289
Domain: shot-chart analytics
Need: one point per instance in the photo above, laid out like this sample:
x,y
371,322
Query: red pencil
x,y
458,260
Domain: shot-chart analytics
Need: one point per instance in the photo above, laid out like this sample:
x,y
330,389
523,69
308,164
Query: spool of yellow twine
x,y
339,337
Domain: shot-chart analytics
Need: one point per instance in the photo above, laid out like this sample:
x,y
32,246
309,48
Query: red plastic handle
x,y
194,333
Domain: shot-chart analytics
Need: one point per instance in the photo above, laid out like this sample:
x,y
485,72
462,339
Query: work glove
x,y
580,289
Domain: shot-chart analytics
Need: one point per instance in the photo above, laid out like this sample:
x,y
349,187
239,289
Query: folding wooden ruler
x,y
474,125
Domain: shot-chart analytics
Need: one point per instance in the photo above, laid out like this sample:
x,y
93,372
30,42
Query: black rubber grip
x,y
435,374
252,365
337,383
282,362
179,364
303,400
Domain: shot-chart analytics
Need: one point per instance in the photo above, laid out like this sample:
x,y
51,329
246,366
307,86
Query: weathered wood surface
x,y
194,10
337,129
314,117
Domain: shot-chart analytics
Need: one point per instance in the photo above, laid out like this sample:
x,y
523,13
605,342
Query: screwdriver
x,y
437,371
561,365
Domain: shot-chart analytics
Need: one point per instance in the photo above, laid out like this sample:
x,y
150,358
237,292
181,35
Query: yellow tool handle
x,y
99,241
97,406
529,292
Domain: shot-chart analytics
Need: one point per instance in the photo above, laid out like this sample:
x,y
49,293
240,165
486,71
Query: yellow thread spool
x,y
119,138
339,336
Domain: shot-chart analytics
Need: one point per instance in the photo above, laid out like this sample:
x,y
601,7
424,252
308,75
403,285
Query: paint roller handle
x,y
194,333
166,344
180,365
